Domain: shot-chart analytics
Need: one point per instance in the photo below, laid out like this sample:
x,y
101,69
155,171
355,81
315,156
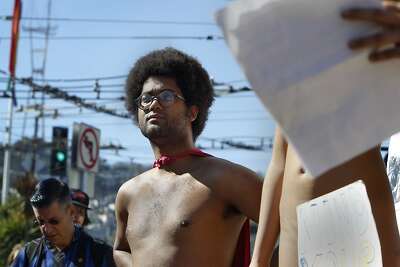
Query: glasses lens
x,y
53,222
166,97
146,99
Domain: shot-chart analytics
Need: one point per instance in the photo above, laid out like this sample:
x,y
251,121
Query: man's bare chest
x,y
171,207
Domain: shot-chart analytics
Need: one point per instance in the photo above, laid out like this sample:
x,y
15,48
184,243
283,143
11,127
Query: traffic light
x,y
59,152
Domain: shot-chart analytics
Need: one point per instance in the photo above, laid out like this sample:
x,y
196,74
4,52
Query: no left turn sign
x,y
88,147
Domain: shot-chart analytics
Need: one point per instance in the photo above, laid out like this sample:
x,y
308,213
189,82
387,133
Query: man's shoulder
x,y
34,242
223,167
224,174
100,250
129,187
30,249
99,245
93,239
138,179
32,245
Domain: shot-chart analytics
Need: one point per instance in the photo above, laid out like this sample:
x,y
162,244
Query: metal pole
x,y
13,100
82,180
7,153
35,143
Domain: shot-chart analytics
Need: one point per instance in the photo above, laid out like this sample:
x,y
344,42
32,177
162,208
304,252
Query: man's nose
x,y
155,104
48,228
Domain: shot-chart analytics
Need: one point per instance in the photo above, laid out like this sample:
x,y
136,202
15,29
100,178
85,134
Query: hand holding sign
x,y
385,43
329,101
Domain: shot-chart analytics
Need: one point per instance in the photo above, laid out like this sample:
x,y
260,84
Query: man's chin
x,y
153,132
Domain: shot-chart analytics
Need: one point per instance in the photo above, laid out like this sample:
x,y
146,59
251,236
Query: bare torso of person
x,y
179,219
298,186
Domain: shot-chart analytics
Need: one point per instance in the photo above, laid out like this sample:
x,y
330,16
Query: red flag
x,y
14,36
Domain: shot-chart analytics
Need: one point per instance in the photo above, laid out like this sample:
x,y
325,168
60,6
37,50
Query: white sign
x,y
330,102
397,207
393,166
393,172
88,148
338,229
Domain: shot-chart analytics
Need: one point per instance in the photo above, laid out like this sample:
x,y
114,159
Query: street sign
x,y
86,147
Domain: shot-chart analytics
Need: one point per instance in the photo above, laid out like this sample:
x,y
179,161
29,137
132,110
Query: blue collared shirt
x,y
65,258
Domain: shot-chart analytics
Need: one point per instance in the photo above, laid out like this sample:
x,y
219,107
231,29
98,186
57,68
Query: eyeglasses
x,y
42,222
166,98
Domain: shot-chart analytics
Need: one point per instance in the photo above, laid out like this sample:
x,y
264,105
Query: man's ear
x,y
193,111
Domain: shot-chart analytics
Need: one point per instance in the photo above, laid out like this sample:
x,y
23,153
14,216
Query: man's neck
x,y
171,149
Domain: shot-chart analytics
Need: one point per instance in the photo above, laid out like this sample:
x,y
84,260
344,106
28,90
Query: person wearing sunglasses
x,y
62,243
190,209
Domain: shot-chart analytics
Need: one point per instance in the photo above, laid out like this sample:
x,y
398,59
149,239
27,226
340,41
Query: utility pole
x,y
39,53
34,143
7,152
13,101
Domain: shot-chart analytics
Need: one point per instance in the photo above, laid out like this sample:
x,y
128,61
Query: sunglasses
x,y
166,98
51,222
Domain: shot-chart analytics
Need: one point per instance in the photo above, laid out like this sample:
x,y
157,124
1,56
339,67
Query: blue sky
x,y
239,115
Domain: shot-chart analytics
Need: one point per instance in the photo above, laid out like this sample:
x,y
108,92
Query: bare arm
x,y
240,187
122,253
269,226
384,44
378,189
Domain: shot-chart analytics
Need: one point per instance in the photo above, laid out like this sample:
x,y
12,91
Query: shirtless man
x,y
287,184
190,210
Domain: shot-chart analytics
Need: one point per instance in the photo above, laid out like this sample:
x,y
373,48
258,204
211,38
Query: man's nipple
x,y
185,223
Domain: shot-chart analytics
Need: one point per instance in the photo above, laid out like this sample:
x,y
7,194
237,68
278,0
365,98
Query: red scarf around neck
x,y
242,252
166,160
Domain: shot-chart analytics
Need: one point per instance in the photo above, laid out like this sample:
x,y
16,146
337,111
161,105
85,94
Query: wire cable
x,y
118,21
138,37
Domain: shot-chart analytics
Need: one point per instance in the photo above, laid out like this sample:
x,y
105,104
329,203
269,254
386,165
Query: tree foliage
x,y
15,226
16,217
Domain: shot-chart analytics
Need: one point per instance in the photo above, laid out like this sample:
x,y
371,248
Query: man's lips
x,y
154,116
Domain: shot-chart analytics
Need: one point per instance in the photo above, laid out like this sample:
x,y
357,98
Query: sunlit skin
x,y
287,184
55,222
190,212
78,214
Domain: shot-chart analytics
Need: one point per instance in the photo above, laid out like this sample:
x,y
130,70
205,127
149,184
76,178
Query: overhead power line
x,y
71,80
137,37
2,91
119,85
258,144
114,77
120,21
78,101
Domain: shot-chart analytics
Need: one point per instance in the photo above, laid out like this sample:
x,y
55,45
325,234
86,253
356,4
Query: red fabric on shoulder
x,y
242,253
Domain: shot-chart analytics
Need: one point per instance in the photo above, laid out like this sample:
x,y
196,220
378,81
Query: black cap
x,y
80,198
